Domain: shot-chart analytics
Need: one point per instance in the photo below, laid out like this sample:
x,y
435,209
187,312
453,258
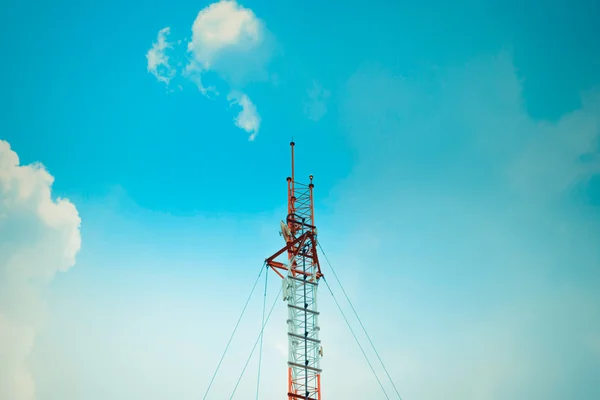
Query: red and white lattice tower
x,y
301,276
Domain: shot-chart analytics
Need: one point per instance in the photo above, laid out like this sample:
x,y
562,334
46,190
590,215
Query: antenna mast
x,y
301,277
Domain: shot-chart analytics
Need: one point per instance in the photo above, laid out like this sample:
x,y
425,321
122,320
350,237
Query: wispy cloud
x,y
39,237
158,61
248,119
478,231
315,104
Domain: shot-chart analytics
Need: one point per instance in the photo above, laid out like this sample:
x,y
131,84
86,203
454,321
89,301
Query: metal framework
x,y
301,276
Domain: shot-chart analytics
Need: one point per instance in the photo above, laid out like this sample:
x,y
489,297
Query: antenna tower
x,y
301,276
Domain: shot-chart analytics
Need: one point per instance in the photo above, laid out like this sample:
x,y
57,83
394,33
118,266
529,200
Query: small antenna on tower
x,y
292,146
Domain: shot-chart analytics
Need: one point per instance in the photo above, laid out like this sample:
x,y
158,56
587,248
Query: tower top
x,y
301,276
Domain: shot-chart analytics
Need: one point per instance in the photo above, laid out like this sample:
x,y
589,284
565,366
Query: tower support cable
x,y
262,268
262,335
255,344
355,338
359,320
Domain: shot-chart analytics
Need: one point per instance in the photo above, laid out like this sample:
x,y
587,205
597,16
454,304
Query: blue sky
x,y
456,154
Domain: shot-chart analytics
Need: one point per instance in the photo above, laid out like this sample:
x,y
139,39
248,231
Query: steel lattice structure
x,y
301,276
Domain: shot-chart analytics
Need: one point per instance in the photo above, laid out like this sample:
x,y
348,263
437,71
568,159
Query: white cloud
x,y
229,40
476,111
315,106
559,155
223,27
158,61
195,76
494,261
248,118
229,43
39,236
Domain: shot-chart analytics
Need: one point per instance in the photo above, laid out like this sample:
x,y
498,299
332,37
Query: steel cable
x,y
360,321
262,335
256,343
262,268
356,338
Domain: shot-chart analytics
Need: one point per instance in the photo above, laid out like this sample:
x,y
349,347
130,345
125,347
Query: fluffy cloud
x,y
248,119
557,156
476,112
222,28
158,61
474,215
229,42
315,106
39,236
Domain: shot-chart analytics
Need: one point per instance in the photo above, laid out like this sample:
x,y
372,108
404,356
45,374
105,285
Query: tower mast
x,y
301,277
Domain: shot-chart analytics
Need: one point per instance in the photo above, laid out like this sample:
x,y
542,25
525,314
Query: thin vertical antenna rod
x,y
291,198
292,144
